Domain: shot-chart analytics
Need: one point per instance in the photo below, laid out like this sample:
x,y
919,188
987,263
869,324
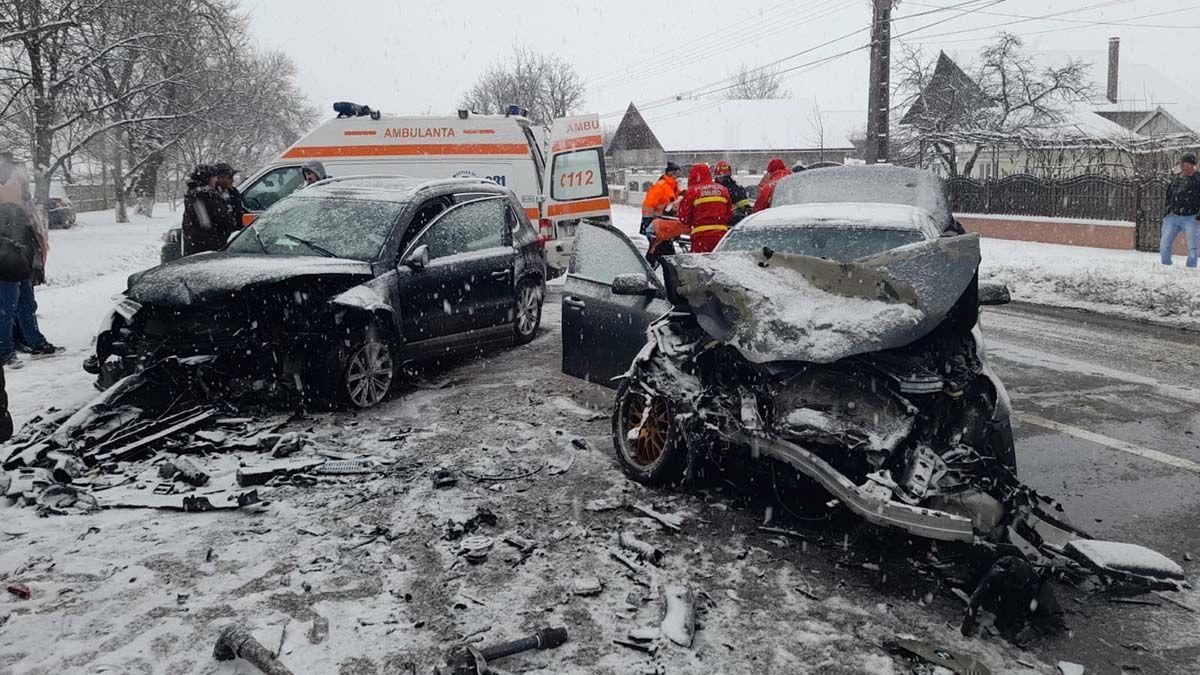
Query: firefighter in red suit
x,y
776,170
705,209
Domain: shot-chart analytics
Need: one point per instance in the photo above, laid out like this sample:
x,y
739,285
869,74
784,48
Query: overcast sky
x,y
418,56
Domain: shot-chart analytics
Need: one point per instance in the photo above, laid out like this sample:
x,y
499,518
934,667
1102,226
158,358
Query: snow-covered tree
x,y
756,83
1003,97
548,86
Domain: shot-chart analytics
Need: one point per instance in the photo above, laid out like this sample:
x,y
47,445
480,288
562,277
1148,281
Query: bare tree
x,y
756,83
817,124
548,86
1009,99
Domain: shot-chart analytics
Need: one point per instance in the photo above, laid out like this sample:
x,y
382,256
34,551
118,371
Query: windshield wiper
x,y
316,247
254,231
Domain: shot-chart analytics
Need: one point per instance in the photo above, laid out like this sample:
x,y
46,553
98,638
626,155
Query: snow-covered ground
x,y
88,265
1130,284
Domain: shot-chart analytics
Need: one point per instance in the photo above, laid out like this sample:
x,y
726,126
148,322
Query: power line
x,y
1089,23
1052,15
1063,28
639,65
706,52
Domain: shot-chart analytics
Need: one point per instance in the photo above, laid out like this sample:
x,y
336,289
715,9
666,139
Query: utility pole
x,y
878,98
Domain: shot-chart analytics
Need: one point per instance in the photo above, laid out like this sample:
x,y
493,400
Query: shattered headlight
x,y
127,308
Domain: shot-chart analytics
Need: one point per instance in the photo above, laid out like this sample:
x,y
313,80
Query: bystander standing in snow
x,y
776,171
237,208
1183,208
207,219
18,305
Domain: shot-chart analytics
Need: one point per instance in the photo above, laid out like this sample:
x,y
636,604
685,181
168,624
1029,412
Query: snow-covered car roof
x,y
388,188
877,184
847,215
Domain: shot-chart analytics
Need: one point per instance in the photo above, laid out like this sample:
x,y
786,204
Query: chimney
x,y
1114,57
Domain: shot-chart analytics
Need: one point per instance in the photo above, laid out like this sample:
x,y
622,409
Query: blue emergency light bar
x,y
348,109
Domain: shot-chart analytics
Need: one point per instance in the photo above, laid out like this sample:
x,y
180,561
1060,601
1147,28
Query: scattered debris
x,y
20,590
503,477
960,664
679,617
456,529
237,642
670,521
318,631
443,478
182,468
1068,668
471,661
644,551
588,585
475,548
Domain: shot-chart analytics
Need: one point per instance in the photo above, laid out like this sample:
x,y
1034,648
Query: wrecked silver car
x,y
859,375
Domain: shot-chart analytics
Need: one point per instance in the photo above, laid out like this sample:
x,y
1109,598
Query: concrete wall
x,y
1094,233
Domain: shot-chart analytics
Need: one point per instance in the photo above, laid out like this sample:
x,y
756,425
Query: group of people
x,y
213,208
712,203
24,247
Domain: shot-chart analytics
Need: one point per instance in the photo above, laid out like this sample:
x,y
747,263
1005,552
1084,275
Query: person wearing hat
x,y
723,174
207,219
776,171
1183,208
229,193
662,197
313,171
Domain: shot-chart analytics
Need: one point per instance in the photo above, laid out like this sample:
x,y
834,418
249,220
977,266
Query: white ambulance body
x,y
507,149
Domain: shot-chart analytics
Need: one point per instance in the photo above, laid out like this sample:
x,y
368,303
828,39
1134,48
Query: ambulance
x,y
559,180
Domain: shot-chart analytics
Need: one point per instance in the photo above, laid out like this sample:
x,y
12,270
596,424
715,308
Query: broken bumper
x,y
870,502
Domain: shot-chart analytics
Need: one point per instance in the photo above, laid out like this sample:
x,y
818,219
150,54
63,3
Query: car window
x,y
473,226
271,187
840,244
578,175
423,216
601,255
321,226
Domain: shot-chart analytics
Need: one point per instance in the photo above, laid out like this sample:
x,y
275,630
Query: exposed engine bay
x,y
884,402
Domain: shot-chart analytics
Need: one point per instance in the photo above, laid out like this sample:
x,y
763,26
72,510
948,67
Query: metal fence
x,y
1083,197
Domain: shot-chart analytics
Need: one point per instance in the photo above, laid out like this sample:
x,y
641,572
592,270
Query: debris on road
x,y
1068,668
671,521
20,590
588,585
236,642
471,661
679,616
960,664
644,551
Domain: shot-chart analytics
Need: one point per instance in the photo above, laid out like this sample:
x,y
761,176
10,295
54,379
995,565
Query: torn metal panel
x,y
199,279
191,503
799,308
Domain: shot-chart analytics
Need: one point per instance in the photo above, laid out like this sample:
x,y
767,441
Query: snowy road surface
x,y
147,591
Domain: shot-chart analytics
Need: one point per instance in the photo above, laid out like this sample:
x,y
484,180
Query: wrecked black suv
x,y
334,288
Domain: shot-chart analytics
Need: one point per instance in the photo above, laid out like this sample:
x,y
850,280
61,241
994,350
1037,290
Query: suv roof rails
x,y
415,184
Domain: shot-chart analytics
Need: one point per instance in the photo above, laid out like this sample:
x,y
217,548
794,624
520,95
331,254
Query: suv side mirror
x,y
419,258
993,293
633,284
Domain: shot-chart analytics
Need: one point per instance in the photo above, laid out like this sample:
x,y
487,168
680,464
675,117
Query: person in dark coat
x,y
233,197
207,219
1183,210
723,174
18,304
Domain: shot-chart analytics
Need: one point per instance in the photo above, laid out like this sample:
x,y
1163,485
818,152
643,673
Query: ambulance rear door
x,y
575,184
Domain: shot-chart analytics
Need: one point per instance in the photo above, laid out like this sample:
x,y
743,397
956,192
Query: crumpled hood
x,y
208,276
800,308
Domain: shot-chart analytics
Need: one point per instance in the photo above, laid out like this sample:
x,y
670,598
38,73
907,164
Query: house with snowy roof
x,y
745,133
1140,124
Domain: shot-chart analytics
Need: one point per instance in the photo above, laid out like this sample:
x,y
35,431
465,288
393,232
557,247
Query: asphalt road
x,y
1107,422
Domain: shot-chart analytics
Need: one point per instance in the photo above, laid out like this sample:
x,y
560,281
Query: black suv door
x,y
602,332
467,284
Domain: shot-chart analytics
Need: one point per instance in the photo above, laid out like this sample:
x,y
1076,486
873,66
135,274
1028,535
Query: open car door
x,y
575,185
602,332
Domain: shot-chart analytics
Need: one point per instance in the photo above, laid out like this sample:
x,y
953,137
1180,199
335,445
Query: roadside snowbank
x,y
1129,284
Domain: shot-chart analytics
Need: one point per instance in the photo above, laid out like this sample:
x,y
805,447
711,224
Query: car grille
x,y
215,329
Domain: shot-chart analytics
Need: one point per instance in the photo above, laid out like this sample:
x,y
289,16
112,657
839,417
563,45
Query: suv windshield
x,y
840,244
321,226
